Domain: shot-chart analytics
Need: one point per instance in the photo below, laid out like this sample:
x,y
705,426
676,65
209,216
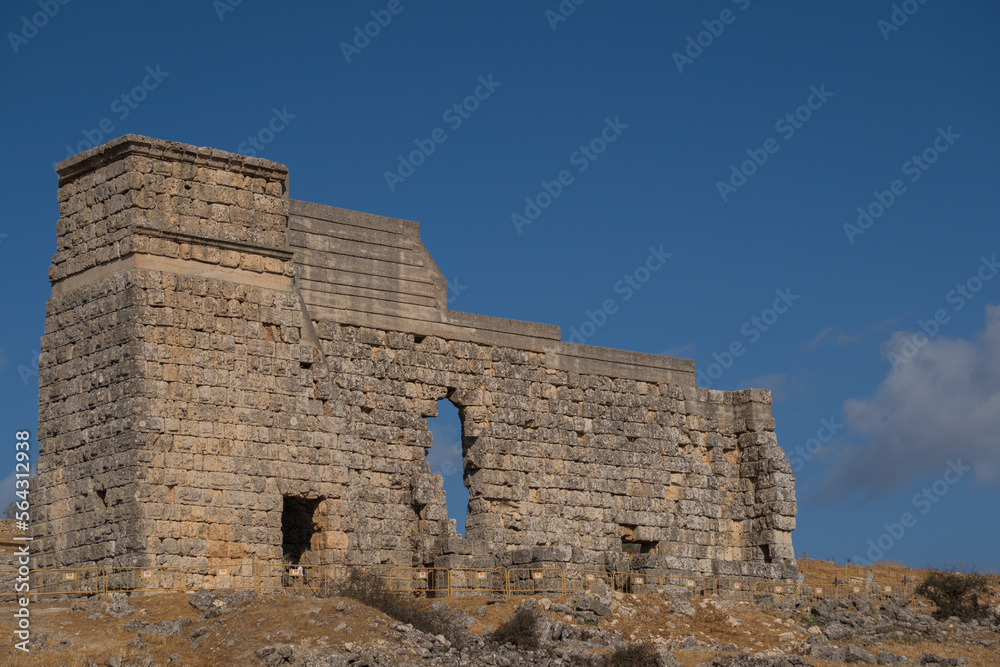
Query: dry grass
x,y
234,636
231,639
757,632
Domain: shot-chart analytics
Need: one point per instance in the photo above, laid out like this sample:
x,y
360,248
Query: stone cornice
x,y
134,144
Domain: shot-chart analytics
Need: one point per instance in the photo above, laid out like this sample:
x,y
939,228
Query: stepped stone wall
x,y
227,373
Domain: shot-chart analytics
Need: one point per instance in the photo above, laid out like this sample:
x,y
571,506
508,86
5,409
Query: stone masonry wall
x,y
229,374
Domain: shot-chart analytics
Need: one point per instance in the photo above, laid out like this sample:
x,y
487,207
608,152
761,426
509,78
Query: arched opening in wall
x,y
445,459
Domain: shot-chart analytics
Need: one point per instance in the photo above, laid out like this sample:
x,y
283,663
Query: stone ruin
x,y
230,374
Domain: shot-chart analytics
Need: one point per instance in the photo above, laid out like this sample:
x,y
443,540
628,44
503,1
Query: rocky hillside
x,y
599,628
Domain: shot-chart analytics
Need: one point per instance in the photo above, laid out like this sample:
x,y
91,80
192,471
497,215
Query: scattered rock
x,y
854,654
164,628
836,631
827,653
681,605
202,600
273,656
588,603
887,658
603,593
119,606
665,658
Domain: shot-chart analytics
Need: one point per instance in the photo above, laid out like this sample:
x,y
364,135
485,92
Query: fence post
x,y
448,571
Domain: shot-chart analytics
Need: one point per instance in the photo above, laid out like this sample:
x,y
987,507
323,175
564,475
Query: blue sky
x,y
739,137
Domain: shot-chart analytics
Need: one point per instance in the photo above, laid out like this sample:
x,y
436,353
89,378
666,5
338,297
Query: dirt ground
x,y
72,639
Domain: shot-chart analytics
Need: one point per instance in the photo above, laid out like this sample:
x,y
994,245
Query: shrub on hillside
x,y
636,655
370,589
961,594
521,630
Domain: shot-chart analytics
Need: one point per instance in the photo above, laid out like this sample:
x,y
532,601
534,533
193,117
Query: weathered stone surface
x,y
119,606
836,631
855,654
214,351
202,600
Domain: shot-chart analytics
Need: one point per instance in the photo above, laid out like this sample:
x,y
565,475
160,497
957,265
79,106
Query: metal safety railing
x,y
734,589
142,579
430,582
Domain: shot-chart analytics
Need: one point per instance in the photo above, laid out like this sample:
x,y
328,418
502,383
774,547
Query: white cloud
x,y
841,335
942,404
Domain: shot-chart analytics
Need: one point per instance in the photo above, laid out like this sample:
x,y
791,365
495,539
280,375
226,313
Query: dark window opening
x,y
636,547
418,339
102,493
297,527
632,546
766,551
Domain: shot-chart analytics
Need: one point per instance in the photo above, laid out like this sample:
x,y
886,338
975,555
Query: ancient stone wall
x,y
227,373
